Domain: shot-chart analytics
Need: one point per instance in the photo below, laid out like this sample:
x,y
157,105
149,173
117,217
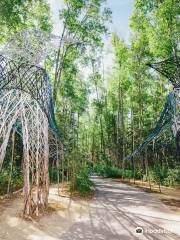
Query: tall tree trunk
x,y
12,161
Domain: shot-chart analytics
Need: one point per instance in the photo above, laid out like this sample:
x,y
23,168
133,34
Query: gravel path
x,y
114,214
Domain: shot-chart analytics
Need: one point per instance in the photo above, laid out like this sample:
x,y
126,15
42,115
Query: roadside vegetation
x,y
166,177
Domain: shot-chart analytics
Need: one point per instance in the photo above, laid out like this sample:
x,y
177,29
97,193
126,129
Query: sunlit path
x,y
115,213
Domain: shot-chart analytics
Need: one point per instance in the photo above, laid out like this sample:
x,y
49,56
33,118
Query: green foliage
x,y
84,23
16,180
129,107
164,176
161,23
107,117
82,183
153,176
53,174
112,172
100,169
138,174
16,15
173,178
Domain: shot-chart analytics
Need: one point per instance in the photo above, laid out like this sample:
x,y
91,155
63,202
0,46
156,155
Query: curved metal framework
x,y
170,116
26,105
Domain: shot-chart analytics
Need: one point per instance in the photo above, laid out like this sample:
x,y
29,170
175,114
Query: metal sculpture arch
x,y
26,105
170,116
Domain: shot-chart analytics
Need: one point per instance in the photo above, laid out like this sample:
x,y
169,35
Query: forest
x,y
103,114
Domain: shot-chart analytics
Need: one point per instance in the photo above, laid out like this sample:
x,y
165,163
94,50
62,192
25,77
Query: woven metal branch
x,y
170,116
26,105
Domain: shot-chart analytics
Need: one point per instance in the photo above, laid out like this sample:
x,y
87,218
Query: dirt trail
x,y
115,212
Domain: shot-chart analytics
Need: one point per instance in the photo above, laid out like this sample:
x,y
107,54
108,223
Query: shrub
x,y
16,180
113,172
100,169
153,176
82,183
128,174
173,178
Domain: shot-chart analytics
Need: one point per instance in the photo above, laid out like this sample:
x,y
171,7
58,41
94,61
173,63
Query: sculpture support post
x,y
17,106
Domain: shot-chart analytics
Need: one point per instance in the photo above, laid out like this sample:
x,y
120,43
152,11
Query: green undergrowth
x,y
166,177
114,172
81,183
15,183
